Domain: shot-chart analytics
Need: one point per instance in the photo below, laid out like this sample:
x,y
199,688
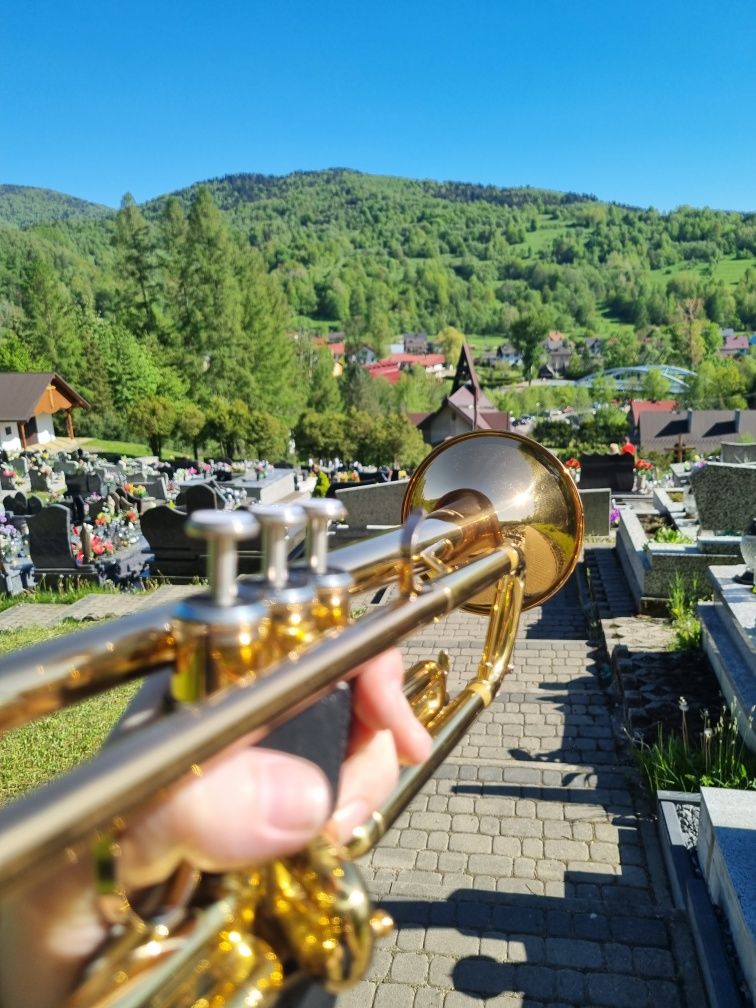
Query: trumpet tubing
x,y
491,523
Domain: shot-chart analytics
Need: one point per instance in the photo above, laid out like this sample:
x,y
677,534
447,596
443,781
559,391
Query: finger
x,y
249,806
368,778
379,704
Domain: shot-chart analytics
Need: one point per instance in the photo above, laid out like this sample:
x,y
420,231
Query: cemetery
x,y
121,523
92,519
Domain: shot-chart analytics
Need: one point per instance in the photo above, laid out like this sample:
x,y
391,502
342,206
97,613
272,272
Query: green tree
x,y
527,335
190,423
321,435
154,417
171,251
265,351
48,328
267,435
210,319
324,392
359,390
449,342
654,385
719,384
603,388
228,423
393,439
15,355
136,262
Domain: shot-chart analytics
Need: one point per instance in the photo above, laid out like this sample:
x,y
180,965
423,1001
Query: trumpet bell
x,y
530,497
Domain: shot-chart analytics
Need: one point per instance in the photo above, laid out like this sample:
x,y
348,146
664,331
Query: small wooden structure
x,y
28,400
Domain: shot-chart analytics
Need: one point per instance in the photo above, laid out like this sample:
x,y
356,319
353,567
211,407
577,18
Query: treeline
x,y
212,296
177,330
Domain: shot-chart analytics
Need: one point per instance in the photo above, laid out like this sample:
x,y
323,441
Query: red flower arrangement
x,y
572,463
641,465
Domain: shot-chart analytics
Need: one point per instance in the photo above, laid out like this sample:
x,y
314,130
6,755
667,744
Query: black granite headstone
x,y
203,496
50,539
617,472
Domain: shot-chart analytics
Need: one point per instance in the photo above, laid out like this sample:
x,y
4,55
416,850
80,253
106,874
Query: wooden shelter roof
x,y
24,394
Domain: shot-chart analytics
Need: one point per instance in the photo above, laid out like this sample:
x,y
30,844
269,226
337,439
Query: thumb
x,y
249,806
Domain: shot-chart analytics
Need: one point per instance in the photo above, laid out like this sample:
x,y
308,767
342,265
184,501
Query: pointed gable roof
x,y
465,376
24,394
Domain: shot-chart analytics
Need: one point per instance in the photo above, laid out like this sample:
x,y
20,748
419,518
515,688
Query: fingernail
x,y
347,817
294,797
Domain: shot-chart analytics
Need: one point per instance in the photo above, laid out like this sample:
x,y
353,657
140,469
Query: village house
x,y
702,431
510,355
734,346
466,408
28,400
415,342
392,366
558,352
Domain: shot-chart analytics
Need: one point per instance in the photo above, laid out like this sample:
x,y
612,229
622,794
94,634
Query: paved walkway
x,y
524,873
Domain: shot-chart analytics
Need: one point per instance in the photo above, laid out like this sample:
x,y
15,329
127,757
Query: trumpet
x,y
491,523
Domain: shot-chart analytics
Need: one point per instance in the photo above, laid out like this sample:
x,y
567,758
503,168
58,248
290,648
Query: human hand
x,y
247,806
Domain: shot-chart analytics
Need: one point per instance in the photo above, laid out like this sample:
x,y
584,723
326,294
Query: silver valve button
x,y
275,521
320,511
222,530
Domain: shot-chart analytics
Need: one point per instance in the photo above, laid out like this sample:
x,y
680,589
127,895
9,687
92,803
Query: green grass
x,y
131,449
730,271
715,758
35,753
547,231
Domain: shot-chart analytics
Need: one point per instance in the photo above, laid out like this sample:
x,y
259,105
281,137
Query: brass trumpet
x,y
491,522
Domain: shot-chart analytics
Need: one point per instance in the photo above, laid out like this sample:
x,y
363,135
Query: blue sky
x,y
647,103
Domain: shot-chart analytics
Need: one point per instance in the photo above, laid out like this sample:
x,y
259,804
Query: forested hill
x,y
198,292
25,206
419,254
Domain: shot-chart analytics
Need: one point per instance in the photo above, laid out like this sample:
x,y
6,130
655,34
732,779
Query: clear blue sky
x,y
648,102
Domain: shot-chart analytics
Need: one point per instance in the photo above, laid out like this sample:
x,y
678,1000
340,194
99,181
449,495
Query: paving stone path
x,y
524,872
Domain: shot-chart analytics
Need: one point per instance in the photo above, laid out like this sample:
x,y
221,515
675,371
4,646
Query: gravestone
x,y
50,540
156,488
21,505
737,451
21,465
9,504
177,557
34,505
39,482
7,482
11,581
725,496
203,496
617,472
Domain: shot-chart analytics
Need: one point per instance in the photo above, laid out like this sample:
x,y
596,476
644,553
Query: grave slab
x,y
729,642
727,854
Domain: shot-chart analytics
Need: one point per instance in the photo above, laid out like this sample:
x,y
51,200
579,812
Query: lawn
x,y
729,271
35,753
